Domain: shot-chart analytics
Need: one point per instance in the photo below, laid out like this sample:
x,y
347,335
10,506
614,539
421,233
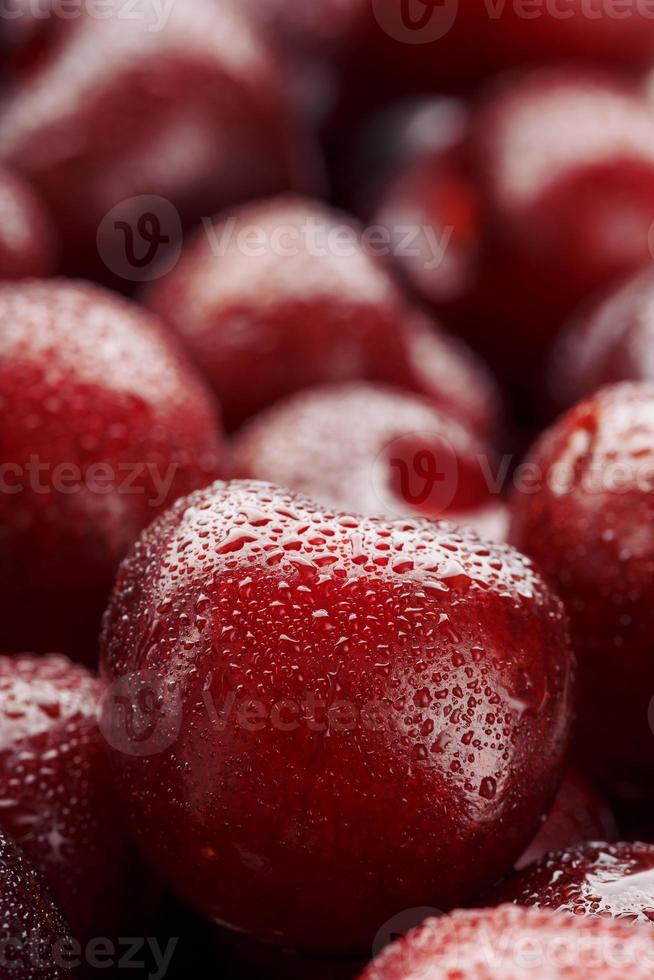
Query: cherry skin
x,y
189,107
613,880
337,695
578,814
612,341
371,449
515,943
103,425
35,939
57,798
587,522
282,295
27,240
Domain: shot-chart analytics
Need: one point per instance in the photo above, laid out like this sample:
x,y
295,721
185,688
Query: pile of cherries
x,y
309,666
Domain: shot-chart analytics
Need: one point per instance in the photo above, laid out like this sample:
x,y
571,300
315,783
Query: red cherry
x,y
35,939
578,814
371,450
611,342
27,244
56,793
282,295
183,103
587,522
102,426
515,943
356,716
613,880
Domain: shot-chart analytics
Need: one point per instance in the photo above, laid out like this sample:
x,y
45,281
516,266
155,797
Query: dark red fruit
x,y
183,103
27,243
282,295
514,943
587,521
355,716
102,426
579,814
614,880
614,341
34,939
370,449
56,797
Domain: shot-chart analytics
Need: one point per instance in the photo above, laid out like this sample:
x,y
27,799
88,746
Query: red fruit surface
x,y
579,814
613,880
185,105
356,716
102,426
282,295
514,943
27,243
588,523
56,797
371,449
613,341
35,939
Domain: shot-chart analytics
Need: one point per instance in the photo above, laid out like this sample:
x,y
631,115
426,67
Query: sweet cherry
x,y
102,426
349,716
588,523
27,239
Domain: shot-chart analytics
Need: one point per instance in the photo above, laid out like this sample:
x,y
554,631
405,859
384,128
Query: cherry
x,y
610,342
56,793
579,814
185,105
35,939
614,880
372,450
27,242
103,425
349,716
282,295
586,521
516,943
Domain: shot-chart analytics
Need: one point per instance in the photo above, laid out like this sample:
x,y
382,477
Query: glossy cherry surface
x,y
350,710
56,796
371,449
35,939
514,943
587,521
282,295
27,239
103,425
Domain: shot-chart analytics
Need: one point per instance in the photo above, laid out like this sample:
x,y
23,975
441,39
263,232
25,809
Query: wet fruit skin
x,y
537,221
593,878
372,715
371,449
578,814
26,911
514,943
273,300
587,523
57,798
121,124
102,425
610,342
27,241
